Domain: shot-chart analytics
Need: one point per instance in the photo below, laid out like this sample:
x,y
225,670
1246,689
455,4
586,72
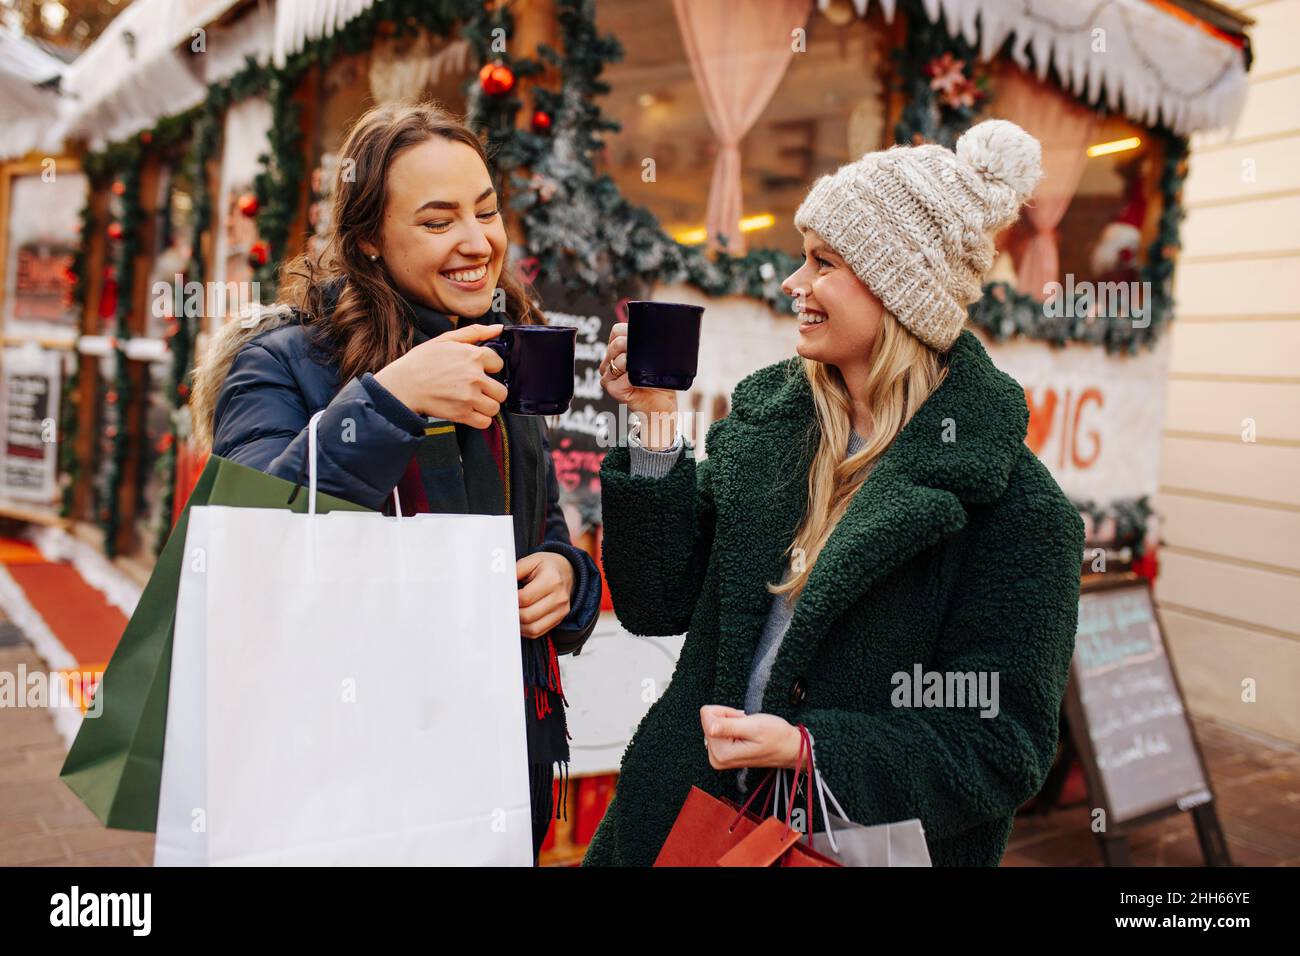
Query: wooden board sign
x,y
1128,718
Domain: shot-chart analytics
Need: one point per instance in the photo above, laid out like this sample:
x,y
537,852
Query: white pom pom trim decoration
x,y
1003,152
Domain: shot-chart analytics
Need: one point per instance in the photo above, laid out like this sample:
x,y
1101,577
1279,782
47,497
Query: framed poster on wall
x,y
41,208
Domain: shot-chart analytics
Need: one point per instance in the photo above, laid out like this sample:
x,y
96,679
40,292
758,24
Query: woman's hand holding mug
x,y
448,377
655,407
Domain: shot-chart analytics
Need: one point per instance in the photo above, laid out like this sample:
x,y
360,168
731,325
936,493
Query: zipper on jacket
x,y
505,456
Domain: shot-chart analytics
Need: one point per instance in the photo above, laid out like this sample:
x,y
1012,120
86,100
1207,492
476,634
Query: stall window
x,y
828,108
1092,215
43,234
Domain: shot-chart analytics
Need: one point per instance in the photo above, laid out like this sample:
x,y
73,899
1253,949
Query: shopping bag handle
x,y
823,791
311,462
805,756
311,469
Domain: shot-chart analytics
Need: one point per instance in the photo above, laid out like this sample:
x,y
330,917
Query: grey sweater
x,y
656,464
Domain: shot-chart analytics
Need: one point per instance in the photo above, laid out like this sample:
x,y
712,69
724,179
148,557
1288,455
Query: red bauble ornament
x,y
541,121
111,397
258,254
247,205
115,230
182,390
111,431
1147,566
146,137
496,78
119,188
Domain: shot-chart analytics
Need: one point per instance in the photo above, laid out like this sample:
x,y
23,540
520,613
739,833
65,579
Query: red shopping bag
x,y
713,831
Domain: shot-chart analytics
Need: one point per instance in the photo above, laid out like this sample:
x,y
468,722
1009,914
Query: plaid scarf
x,y
459,469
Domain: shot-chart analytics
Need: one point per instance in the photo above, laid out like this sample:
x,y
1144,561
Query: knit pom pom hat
x,y
916,223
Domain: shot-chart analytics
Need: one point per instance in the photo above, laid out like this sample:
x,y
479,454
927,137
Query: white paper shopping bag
x,y
181,831
346,689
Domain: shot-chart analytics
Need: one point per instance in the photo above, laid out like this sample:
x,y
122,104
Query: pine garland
x,y
69,463
203,146
1132,517
277,184
492,116
925,118
109,510
576,218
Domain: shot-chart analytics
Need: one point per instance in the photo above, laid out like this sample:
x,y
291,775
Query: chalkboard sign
x,y
30,413
1141,741
581,436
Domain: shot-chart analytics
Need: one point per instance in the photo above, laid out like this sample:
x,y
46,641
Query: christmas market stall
x,y
646,149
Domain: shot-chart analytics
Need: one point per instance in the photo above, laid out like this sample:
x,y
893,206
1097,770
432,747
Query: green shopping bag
x,y
115,764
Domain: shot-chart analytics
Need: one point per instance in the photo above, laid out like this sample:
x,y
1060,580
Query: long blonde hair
x,y
904,372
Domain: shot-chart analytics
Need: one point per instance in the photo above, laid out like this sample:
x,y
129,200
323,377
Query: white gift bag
x,y
345,689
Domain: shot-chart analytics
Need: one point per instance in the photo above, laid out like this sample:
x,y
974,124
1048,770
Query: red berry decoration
x,y
119,188
496,78
247,205
258,254
115,230
111,397
541,121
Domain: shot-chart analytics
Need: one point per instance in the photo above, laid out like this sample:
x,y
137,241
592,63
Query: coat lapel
x,y
958,448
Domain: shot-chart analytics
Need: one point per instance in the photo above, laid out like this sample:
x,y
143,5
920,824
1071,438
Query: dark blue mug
x,y
663,344
538,372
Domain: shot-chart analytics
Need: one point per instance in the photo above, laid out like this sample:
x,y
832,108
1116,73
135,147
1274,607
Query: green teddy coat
x,y
960,553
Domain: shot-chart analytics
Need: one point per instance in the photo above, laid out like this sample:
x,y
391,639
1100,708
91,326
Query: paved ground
x,y
1257,783
1257,788
42,823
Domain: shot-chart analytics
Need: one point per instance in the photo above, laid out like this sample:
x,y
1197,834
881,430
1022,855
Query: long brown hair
x,y
366,329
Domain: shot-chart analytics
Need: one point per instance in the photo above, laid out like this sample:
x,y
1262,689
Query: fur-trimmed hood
x,y
211,371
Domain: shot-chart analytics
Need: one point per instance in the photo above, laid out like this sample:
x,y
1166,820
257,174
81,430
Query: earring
x,y
374,258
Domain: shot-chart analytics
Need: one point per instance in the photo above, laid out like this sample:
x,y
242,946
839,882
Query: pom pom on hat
x,y
1003,152
916,223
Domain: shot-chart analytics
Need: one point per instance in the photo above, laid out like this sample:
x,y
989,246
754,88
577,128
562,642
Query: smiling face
x,y
840,318
442,238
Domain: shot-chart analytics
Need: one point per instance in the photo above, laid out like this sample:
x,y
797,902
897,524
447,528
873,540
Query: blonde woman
x,y
870,549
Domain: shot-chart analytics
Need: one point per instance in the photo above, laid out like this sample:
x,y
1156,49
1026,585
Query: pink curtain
x,y
738,53
1066,129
